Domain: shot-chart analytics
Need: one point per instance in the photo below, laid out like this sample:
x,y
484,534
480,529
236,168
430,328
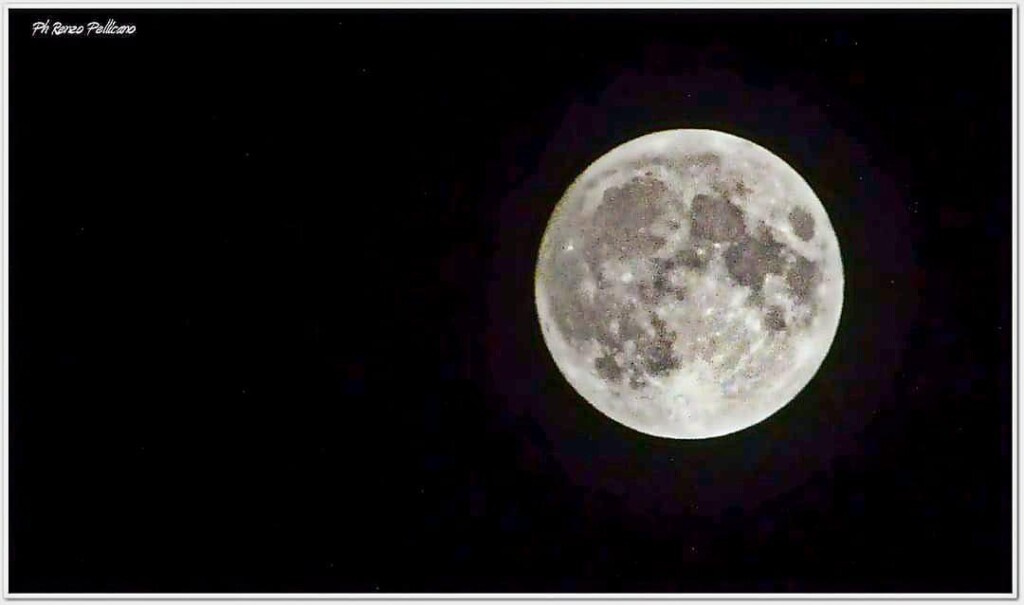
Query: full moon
x,y
689,284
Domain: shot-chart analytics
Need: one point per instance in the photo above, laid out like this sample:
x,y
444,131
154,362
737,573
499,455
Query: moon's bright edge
x,y
689,284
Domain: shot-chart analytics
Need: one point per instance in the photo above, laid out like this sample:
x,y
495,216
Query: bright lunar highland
x,y
689,284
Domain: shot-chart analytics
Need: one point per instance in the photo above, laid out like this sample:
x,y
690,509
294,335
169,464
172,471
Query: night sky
x,y
272,322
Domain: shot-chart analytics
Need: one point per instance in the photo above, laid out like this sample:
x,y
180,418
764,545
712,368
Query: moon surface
x,y
689,284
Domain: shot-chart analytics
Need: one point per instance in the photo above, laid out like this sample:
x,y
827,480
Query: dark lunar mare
x,y
617,231
614,230
750,258
802,222
715,218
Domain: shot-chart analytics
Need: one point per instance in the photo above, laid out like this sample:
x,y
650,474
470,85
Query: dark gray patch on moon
x,y
714,218
656,352
690,259
775,319
615,229
659,286
801,277
702,160
628,330
630,206
750,259
649,291
661,283
653,353
731,188
578,321
803,223
607,368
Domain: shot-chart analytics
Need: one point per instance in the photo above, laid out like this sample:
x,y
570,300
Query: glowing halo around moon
x,y
689,284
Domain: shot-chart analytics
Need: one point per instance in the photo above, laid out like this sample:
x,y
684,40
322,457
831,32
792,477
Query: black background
x,y
272,325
